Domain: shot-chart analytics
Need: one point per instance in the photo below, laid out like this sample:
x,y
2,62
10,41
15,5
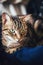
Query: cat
x,y
13,31
21,31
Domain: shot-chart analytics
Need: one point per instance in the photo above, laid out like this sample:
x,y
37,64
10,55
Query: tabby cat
x,y
21,31
13,31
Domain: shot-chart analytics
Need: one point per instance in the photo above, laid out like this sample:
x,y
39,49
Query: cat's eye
x,y
13,31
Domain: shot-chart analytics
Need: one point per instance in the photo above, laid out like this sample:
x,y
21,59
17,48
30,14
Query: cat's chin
x,y
11,46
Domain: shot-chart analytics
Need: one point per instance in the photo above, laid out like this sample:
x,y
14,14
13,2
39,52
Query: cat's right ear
x,y
5,18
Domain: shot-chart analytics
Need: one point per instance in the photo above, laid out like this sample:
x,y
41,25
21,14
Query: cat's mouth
x,y
10,41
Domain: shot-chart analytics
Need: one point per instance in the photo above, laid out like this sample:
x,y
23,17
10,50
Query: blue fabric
x,y
32,56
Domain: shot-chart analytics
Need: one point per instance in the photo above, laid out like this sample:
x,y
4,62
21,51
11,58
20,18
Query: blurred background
x,y
21,7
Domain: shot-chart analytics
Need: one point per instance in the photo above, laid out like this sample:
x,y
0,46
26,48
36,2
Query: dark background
x,y
24,56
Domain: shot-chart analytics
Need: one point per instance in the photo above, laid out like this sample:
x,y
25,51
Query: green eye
x,y
12,31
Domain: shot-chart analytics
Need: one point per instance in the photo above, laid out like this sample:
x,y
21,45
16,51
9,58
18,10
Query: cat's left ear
x,y
28,18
